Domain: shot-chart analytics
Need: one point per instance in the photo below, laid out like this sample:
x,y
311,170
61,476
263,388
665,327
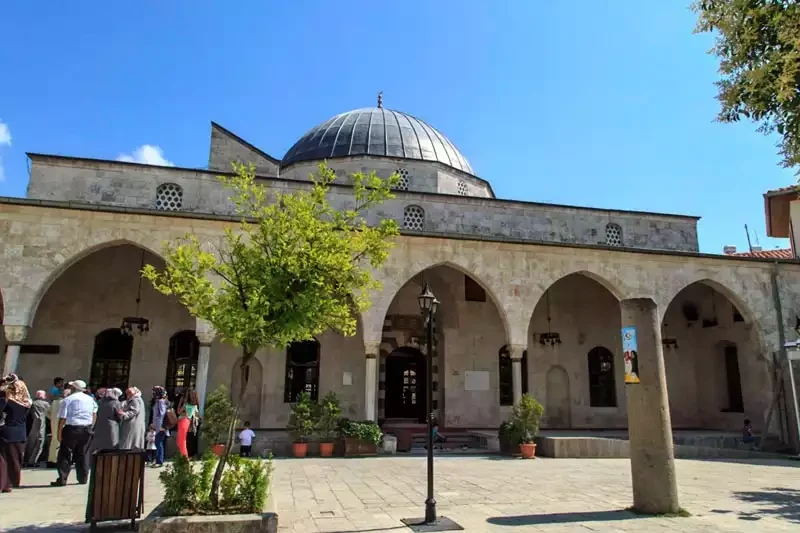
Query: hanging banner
x,y
630,351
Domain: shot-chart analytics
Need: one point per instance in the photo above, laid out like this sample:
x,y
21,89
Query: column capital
x,y
15,334
372,349
515,351
205,332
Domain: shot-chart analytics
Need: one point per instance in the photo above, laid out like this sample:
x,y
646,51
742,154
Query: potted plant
x,y
360,438
301,424
327,419
216,419
526,417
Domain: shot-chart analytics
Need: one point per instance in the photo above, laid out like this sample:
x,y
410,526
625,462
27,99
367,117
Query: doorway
x,y
405,384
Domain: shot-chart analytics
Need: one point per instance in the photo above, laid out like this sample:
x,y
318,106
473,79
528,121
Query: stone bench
x,y
488,440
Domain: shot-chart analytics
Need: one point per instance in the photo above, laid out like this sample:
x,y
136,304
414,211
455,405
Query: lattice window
x,y
405,179
169,197
462,188
414,218
613,235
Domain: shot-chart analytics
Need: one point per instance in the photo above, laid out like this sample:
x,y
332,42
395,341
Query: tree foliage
x,y
293,268
758,43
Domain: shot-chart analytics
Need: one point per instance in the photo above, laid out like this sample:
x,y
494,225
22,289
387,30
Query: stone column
x,y
14,337
655,487
515,351
205,334
372,349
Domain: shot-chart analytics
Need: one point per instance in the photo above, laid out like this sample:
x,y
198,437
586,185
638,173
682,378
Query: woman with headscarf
x,y
160,407
38,417
14,404
106,429
132,421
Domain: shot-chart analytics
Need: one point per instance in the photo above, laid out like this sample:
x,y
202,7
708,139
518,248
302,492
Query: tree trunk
x,y
244,378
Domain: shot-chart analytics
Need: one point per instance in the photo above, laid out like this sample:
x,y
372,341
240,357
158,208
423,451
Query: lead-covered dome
x,y
379,132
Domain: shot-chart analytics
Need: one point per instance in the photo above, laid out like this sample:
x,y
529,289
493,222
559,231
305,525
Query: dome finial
x,y
380,99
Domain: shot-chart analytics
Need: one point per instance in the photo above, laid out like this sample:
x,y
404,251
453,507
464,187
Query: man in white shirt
x,y
76,418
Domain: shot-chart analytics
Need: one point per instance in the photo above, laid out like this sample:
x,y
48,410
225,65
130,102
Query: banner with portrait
x,y
630,351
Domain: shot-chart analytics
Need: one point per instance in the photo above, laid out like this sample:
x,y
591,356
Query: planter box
x,y
359,448
266,522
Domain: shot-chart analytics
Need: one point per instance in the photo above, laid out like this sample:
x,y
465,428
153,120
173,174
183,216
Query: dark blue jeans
x,y
161,444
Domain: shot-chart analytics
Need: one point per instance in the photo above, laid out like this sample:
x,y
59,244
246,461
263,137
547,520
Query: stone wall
x,y
131,185
227,148
69,306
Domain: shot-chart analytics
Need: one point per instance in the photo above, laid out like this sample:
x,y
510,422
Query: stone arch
x,y
698,322
373,318
250,410
557,410
65,264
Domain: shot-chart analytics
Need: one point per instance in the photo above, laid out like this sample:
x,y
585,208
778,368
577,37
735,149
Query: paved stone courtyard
x,y
483,494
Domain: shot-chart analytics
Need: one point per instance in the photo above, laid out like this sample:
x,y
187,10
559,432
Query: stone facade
x,y
71,273
509,275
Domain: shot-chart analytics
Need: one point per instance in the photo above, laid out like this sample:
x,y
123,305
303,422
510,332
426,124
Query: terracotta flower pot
x,y
299,449
326,449
528,450
218,449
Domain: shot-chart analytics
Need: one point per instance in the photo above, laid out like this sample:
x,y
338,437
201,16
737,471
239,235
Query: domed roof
x,y
376,131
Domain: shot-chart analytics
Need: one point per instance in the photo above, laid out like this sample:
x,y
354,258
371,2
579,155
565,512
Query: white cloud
x,y
5,140
147,154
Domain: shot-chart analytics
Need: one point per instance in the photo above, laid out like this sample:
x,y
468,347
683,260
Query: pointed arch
x,y
65,264
720,287
374,316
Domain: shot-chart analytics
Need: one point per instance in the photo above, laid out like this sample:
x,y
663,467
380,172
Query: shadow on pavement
x,y
563,518
777,502
72,527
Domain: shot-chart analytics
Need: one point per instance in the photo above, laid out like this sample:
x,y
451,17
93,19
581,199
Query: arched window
x,y
405,179
613,235
602,388
302,370
169,197
506,371
414,218
184,351
111,360
462,188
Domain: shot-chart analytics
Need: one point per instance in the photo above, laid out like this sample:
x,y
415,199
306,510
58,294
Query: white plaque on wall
x,y
347,378
476,380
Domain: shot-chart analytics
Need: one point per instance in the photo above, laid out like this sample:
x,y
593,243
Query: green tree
x,y
293,268
758,44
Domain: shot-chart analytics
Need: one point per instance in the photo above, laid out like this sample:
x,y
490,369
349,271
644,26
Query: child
x,y
747,431
246,439
150,438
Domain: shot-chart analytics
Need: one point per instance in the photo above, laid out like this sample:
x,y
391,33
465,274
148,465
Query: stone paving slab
x,y
483,494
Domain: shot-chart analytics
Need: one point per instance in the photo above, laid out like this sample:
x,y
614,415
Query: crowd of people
x,y
78,423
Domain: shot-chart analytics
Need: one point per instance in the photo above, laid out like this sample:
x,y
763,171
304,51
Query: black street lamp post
x,y
428,304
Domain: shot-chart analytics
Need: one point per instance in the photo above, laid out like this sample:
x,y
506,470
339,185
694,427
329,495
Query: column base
x,y
442,523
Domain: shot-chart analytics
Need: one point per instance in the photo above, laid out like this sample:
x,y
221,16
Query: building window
x,y
414,218
405,179
602,388
506,372
734,380
613,235
184,351
111,360
472,291
302,370
462,188
169,197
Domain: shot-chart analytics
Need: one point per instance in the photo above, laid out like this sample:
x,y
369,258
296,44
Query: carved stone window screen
x,y
613,235
462,188
405,179
414,218
169,197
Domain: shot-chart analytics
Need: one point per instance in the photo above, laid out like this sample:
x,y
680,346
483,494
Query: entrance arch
x,y
406,390
716,372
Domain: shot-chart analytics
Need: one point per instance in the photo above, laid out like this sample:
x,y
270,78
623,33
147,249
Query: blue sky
x,y
606,103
